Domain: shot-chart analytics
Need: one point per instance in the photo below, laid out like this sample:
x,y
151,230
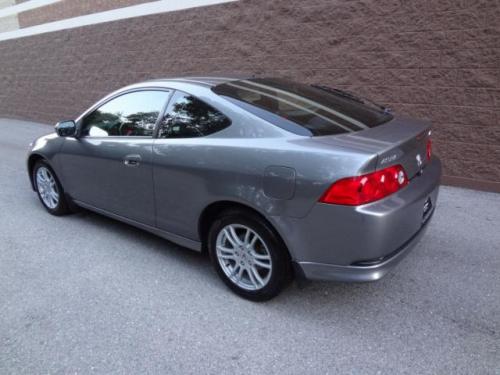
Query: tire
x,y
46,184
257,271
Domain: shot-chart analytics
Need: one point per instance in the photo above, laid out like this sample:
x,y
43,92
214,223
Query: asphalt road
x,y
86,294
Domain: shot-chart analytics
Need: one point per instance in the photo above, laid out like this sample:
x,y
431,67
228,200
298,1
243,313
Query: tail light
x,y
354,191
428,149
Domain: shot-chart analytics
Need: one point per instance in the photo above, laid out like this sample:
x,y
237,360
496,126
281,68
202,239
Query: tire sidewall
x,y
275,247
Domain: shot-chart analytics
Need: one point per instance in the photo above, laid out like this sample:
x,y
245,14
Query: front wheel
x,y
49,189
248,255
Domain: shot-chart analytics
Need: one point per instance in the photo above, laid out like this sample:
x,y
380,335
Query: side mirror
x,y
66,129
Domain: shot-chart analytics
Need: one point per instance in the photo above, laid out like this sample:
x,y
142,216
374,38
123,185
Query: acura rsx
x,y
273,178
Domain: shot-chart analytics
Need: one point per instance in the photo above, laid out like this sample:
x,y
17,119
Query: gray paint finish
x,y
279,182
94,173
279,174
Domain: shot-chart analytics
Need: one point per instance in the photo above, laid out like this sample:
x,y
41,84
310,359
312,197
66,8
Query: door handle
x,y
132,160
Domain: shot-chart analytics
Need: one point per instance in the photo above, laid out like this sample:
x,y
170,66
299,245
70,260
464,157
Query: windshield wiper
x,y
351,96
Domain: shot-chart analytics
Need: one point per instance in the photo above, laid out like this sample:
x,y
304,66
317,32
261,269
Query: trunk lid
x,y
402,141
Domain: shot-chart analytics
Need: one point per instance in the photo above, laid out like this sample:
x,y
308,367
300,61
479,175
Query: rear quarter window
x,y
190,117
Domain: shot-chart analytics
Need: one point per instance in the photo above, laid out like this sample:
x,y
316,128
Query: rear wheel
x,y
248,256
49,189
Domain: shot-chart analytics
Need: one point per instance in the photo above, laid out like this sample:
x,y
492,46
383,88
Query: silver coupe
x,y
274,179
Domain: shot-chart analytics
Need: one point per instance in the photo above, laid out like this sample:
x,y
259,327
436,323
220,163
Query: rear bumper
x,y
344,243
322,271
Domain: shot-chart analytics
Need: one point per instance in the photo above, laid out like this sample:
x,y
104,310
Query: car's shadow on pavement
x,y
148,242
315,293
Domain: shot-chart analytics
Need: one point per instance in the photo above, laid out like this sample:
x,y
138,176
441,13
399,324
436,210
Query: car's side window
x,y
131,114
189,117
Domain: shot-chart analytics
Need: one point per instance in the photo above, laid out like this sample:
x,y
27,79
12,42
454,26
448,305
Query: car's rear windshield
x,y
319,109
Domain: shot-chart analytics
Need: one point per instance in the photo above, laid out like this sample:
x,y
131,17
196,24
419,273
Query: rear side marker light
x,y
428,149
358,190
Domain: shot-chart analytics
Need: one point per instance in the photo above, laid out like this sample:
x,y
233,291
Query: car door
x,y
181,174
109,165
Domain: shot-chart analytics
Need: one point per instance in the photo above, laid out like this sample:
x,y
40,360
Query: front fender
x,y
47,148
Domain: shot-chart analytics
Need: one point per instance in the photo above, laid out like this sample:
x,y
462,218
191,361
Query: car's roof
x,y
206,81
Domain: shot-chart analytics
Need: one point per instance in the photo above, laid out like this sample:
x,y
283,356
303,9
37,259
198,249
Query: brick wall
x,y
432,59
70,8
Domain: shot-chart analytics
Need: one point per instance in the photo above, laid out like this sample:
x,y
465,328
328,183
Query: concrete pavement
x,y
85,294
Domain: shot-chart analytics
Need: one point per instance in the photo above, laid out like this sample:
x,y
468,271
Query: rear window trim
x,y
330,114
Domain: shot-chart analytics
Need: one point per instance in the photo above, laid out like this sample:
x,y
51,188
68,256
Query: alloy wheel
x,y
47,187
244,257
